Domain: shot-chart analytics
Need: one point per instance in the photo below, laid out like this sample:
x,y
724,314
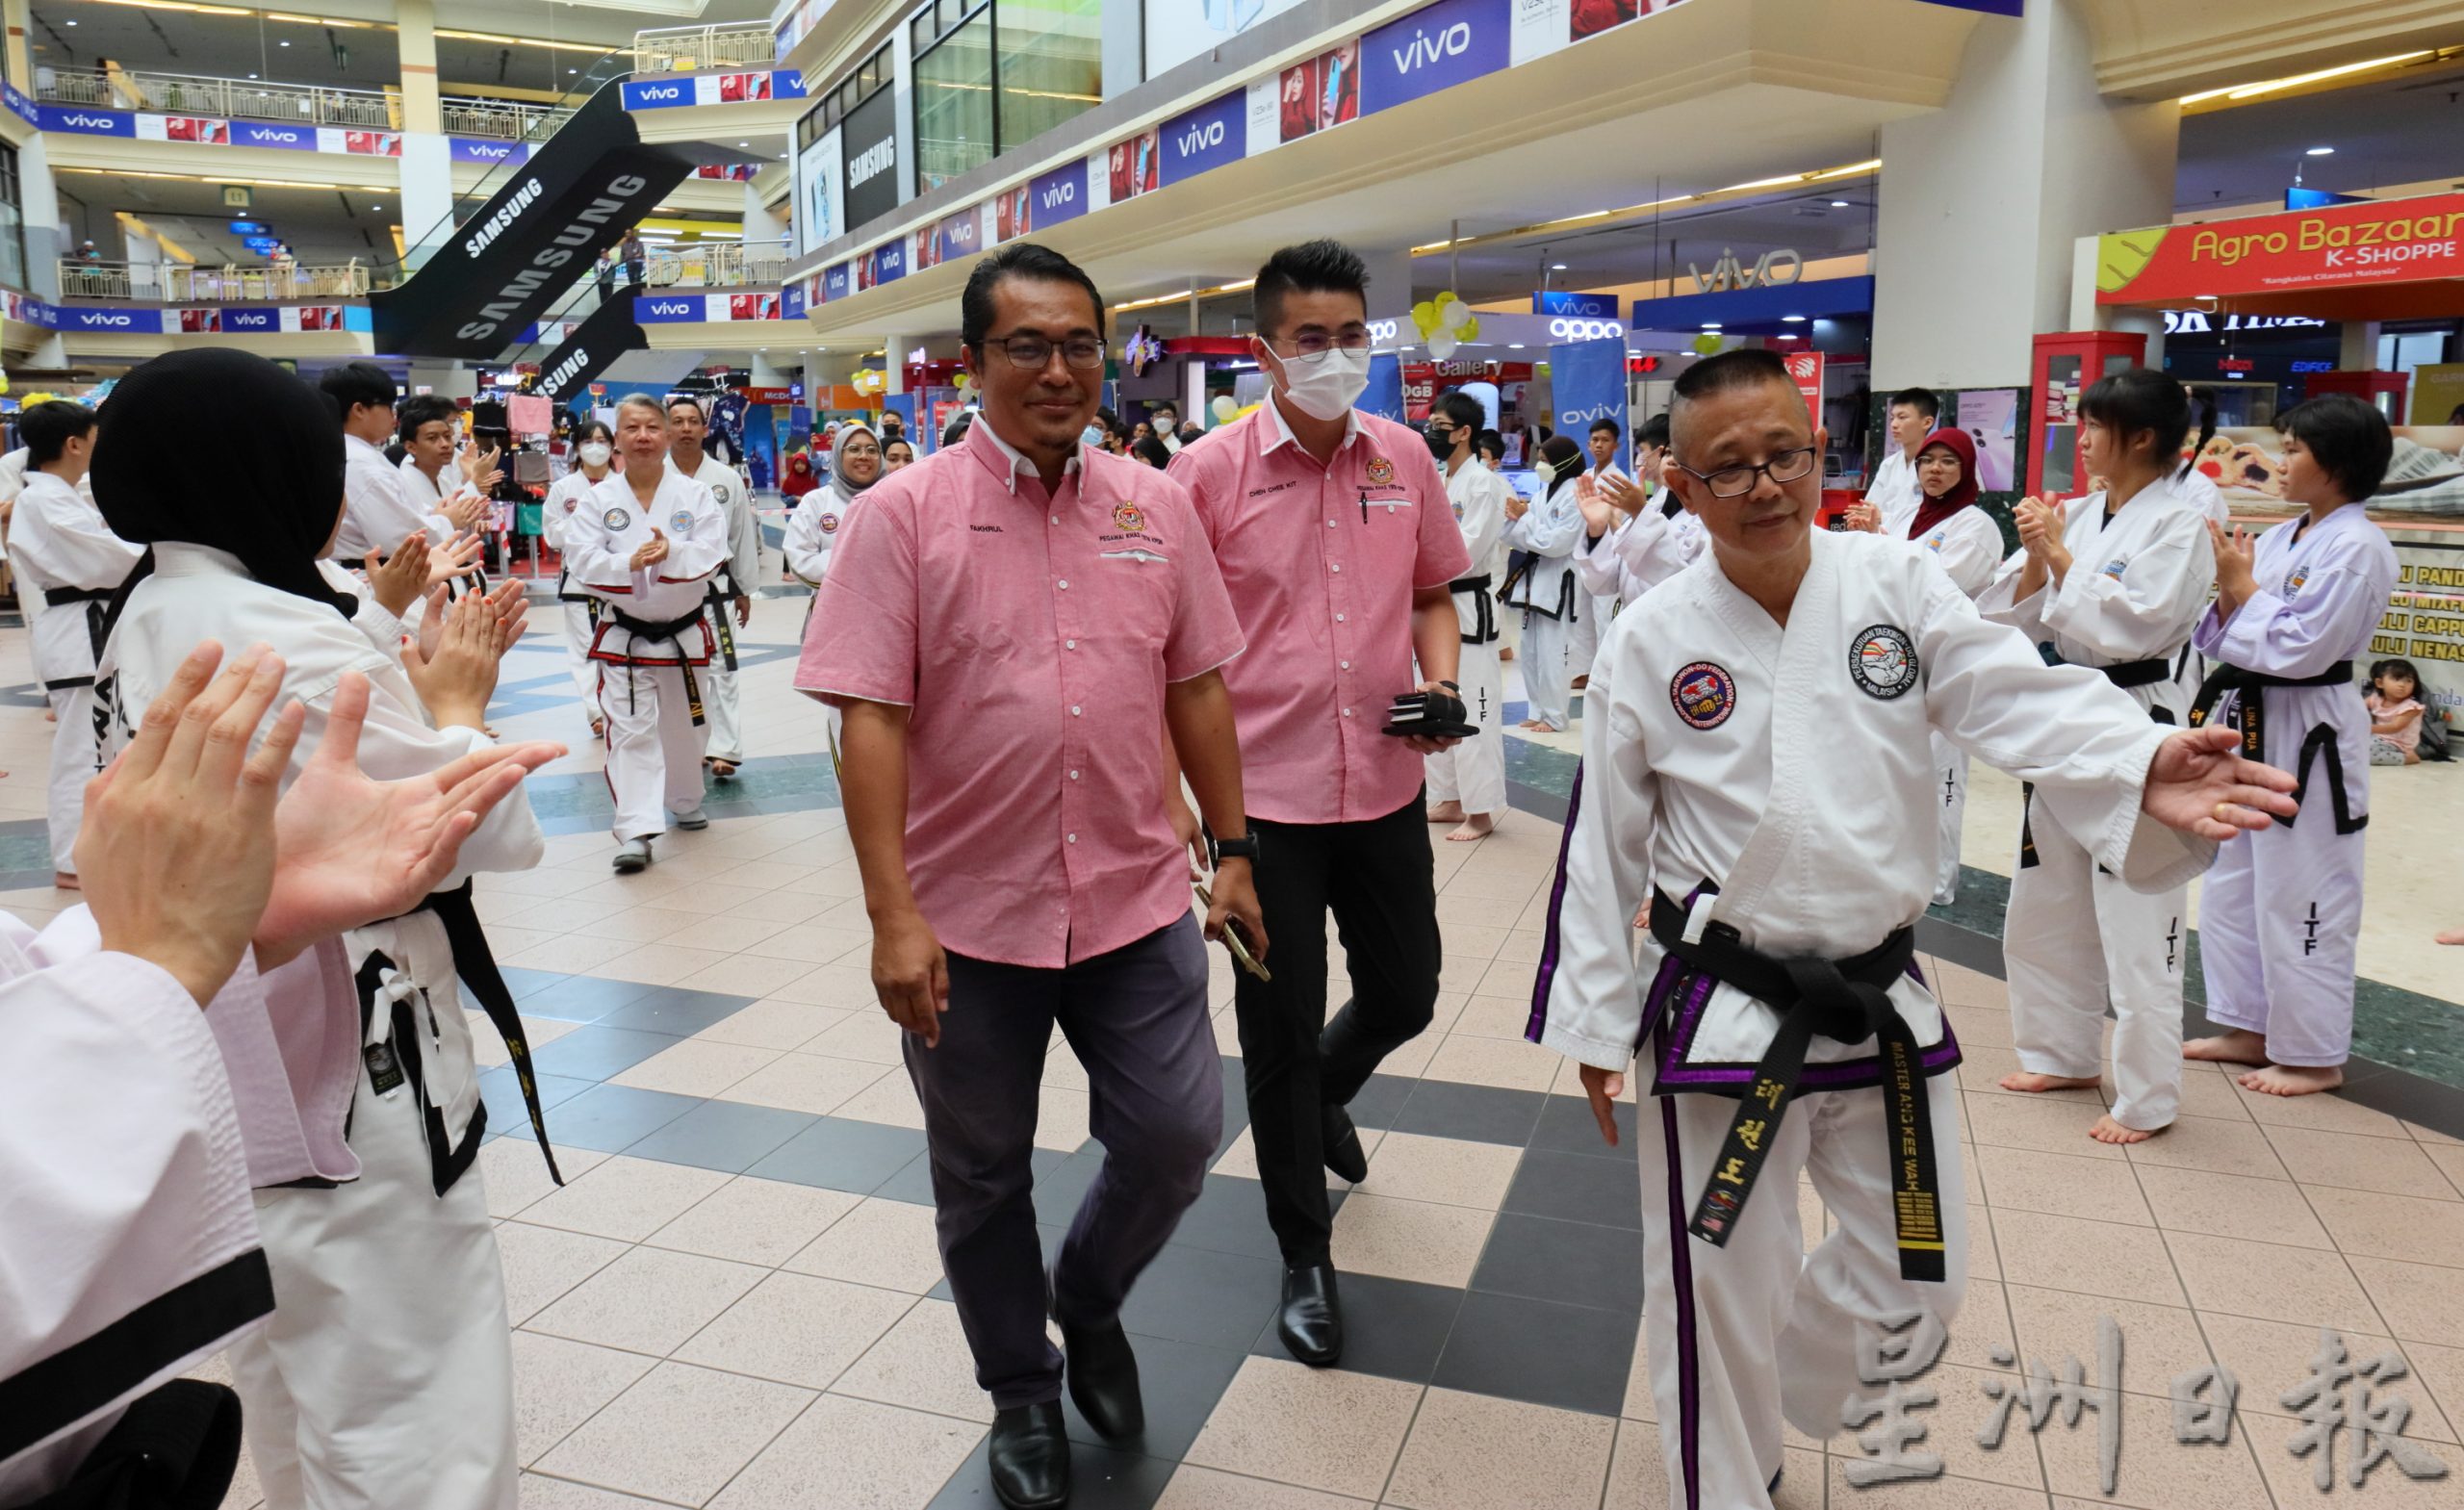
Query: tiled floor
x,y
736,1300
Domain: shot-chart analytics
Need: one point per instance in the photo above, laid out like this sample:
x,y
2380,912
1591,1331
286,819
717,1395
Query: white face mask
x,y
595,453
1325,386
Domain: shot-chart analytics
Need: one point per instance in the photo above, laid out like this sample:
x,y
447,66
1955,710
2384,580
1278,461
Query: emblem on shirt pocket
x,y
1934,541
1129,519
1881,660
682,522
617,518
2117,566
1704,694
1381,471
830,524
2293,583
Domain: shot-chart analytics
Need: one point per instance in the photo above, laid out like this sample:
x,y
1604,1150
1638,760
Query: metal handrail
x,y
698,49
178,283
721,266
302,103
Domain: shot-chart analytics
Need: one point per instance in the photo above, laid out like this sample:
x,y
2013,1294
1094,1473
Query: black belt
x,y
474,964
667,630
2126,674
1846,1000
2249,720
174,1447
1484,617
98,622
718,601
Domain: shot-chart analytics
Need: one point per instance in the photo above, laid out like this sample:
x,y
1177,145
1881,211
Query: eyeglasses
x,y
1034,352
1736,483
1317,344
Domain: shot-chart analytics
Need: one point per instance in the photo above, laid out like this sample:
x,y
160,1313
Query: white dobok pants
x,y
72,766
1548,675
654,747
1474,772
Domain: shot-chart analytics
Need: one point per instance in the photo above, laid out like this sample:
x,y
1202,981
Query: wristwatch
x,y
1244,848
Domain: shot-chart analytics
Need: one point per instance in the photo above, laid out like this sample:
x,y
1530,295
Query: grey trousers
x,y
1137,1019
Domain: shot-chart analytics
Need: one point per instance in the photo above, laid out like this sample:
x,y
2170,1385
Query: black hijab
x,y
260,423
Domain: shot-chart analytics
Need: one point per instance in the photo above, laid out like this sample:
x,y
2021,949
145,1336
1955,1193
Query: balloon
x,y
1224,408
1469,330
1451,312
1424,316
1706,343
1441,345
4,382
963,380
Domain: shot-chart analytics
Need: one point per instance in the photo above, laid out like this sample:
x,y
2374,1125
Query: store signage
x,y
1772,270
2234,366
1055,197
2313,367
262,245
1588,382
1583,329
869,140
1382,332
838,283
1214,133
112,322
1804,369
673,310
250,228
1591,306
465,149
88,122
1434,48
611,331
293,139
961,234
2355,245
2199,322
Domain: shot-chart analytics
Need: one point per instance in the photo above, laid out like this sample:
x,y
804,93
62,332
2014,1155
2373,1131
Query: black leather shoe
x,y
1342,1141
1311,1322
1103,1378
1028,1455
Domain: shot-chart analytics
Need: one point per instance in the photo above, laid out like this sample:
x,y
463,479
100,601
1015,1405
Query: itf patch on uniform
x,y
830,524
682,522
1704,694
1129,518
618,518
1381,471
1881,660
2117,566
2293,583
571,504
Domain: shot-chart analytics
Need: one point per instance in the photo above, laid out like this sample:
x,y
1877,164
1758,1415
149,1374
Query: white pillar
x,y
2358,350
1984,200
428,164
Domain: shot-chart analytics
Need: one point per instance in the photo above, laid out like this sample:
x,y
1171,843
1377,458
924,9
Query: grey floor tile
x,y
611,1119
914,1182
1380,1099
1200,1295
1572,1262
1568,1356
502,1094
1394,1328
1062,1181
723,1134
580,998
1230,1216
1181,1383
595,1053
841,1154
1607,1192
1566,1127
672,1009
1481,1113
526,984
1101,1478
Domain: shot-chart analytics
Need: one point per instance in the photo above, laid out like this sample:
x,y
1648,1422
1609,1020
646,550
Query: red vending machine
x,y
2381,391
2064,365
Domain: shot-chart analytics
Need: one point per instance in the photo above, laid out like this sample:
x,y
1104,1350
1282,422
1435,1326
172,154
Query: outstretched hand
x,y
2201,784
350,850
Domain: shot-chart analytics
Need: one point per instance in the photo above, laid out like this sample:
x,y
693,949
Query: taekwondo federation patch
x,y
617,518
1129,518
830,524
571,504
1704,695
1381,471
1881,660
1458,513
2293,583
2117,566
682,522
1934,541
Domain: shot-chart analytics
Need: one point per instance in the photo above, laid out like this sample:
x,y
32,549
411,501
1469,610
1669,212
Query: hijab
x,y
800,478
839,483
1565,461
1932,511
263,424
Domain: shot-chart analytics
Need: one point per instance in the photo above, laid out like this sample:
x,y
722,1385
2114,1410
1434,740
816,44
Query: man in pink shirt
x,y
1010,627
1337,543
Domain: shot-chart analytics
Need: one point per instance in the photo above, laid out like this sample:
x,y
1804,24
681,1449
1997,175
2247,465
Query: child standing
x,y
2281,915
2395,709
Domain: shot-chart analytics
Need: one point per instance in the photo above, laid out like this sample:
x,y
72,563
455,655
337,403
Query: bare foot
x,y
1477,826
61,880
2294,1080
1446,813
2454,936
2033,1083
2109,1131
1534,724
2239,1046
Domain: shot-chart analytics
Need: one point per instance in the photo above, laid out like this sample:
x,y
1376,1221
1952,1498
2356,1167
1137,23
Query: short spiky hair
x,y
1461,410
420,409
1022,260
1920,399
1746,366
1325,265
49,427
356,383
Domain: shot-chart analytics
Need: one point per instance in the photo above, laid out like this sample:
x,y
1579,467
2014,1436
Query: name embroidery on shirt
x,y
617,518
1704,694
1140,556
1881,660
681,520
980,529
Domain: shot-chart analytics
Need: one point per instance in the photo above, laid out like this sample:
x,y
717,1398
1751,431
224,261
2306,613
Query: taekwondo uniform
x,y
571,494
64,550
130,1244
377,511
1643,551
1969,544
1765,847
385,1375
1548,594
654,628
1474,772
1895,491
2137,585
741,571
1599,604
2281,911
423,494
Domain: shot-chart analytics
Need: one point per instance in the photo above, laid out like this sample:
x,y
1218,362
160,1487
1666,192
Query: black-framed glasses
x,y
1318,343
1034,352
1736,483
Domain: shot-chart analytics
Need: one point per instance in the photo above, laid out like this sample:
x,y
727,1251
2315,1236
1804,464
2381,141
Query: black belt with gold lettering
x,y
2249,715
1484,618
1846,1000
718,603
668,630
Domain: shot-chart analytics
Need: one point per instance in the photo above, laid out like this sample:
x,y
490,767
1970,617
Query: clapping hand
x,y
652,552
2236,582
458,557
1867,517
455,677
2199,783
1597,513
400,578
1624,494
1516,506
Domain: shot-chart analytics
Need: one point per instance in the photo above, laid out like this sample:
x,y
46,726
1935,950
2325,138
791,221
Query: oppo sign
x,y
1381,332
1569,328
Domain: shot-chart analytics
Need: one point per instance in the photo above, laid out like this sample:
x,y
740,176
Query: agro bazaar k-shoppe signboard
x,y
2379,241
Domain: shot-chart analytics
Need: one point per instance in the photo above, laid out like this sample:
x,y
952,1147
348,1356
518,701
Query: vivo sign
x,y
1436,47
641,94
1565,329
1214,133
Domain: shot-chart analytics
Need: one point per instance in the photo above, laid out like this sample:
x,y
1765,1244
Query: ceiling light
x,y
282,45
1792,319
2244,91
70,23
1513,345
1839,204
1788,335
1556,266
744,143
2321,152
1710,324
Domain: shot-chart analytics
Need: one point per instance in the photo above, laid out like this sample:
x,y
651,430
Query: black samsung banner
x,y
524,249
609,332
868,138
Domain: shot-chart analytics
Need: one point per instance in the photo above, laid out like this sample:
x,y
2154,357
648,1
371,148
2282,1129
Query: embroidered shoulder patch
x,y
1704,694
829,524
571,504
1881,660
617,518
682,522
2117,566
2293,583
1381,471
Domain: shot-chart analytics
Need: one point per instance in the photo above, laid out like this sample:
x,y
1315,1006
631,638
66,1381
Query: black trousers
x,y
1376,877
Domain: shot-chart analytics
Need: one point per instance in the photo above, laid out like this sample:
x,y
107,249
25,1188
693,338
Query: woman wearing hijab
x,y
800,479
817,522
1546,591
595,451
385,1375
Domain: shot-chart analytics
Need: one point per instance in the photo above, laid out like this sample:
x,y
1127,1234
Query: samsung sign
x,y
868,138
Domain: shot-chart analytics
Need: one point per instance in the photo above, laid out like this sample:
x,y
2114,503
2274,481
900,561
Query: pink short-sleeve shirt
x,y
1322,563
1033,635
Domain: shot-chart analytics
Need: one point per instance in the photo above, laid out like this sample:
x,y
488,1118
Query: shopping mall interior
x,y
734,1293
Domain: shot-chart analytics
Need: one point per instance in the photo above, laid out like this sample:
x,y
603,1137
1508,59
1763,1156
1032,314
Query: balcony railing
x,y
173,283
292,104
726,265
698,49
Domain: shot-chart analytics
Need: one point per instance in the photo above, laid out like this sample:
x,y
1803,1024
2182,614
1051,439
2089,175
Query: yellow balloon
x,y
1469,330
1424,316
4,382
1224,408
1706,343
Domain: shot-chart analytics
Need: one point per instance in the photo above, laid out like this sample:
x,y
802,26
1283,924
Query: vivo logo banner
x,y
1587,306
657,97
669,311
18,100
250,320
1585,329
1433,48
1057,196
295,138
1214,133
465,149
835,283
961,234
791,301
90,122
1588,383
889,261
117,321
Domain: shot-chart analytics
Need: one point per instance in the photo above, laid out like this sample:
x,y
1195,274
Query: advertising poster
x,y
924,249
1588,380
1297,115
1205,137
1434,48
1010,217
2378,241
1991,417
1180,30
1132,167
960,235
1384,395
821,211
868,143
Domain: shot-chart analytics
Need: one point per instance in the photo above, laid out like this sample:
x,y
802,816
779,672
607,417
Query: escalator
x,y
480,284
